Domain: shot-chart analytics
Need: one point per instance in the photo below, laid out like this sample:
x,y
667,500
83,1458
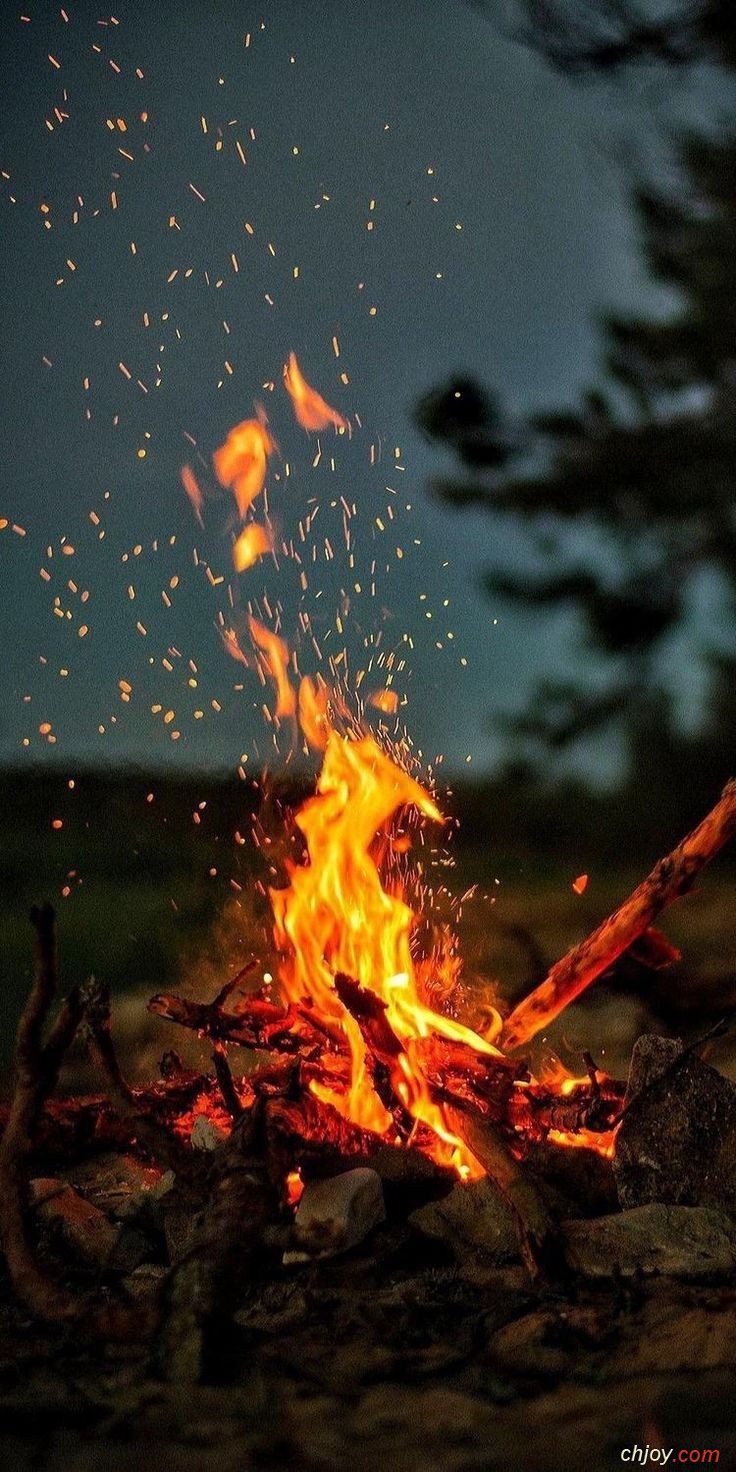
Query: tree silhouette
x,y
629,500
603,36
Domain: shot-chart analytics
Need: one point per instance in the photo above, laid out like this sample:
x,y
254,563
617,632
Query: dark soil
x,y
389,1358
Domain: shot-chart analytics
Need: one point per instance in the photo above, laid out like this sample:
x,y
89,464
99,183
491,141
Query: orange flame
x,y
276,660
241,463
254,541
313,711
336,916
387,701
311,410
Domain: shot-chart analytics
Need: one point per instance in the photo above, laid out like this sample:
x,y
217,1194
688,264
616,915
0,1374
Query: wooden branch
x,y
670,878
536,1232
383,1049
36,1071
35,1078
255,1024
162,1144
230,1096
482,1082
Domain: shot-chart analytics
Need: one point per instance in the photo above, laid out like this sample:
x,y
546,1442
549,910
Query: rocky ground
x,y
394,1357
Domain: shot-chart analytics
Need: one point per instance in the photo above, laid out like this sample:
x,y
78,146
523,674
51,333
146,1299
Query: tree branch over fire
x,y
673,876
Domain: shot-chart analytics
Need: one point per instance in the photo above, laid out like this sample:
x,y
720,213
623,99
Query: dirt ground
x,y
389,1358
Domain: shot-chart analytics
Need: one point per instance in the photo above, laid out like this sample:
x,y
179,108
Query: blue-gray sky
x,y
498,229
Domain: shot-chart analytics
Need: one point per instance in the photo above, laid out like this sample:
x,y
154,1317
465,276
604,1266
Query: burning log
x,y
254,1023
673,876
310,1133
384,1049
479,1081
474,1089
230,1095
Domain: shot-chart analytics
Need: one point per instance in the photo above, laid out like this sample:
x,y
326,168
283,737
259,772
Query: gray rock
x,y
475,1222
677,1140
114,1182
681,1241
651,1056
206,1135
334,1215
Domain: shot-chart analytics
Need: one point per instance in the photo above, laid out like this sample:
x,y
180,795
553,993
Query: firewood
x,y
458,1073
384,1048
203,1288
480,1083
309,1133
257,1023
37,1065
538,1237
230,1096
69,1130
673,876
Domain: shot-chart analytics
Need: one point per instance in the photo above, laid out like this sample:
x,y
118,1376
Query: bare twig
x,y
163,1145
256,1023
36,1071
671,877
226,1082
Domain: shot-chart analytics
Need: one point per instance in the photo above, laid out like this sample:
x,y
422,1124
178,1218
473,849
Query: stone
x,y
82,1227
574,1181
333,1215
677,1140
206,1135
114,1182
680,1241
145,1280
475,1223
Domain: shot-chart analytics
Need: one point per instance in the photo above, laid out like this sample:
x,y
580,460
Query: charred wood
x,y
152,1133
256,1023
226,1238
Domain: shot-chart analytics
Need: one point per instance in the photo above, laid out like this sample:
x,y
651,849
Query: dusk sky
x,y
393,191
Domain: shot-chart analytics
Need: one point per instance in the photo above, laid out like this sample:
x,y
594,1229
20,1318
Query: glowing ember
x,y
191,486
311,410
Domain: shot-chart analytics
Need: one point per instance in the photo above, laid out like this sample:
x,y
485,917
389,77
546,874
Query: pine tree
x,y
647,466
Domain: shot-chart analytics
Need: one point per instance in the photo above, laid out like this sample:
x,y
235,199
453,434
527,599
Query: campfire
x,y
364,1081
369,1096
